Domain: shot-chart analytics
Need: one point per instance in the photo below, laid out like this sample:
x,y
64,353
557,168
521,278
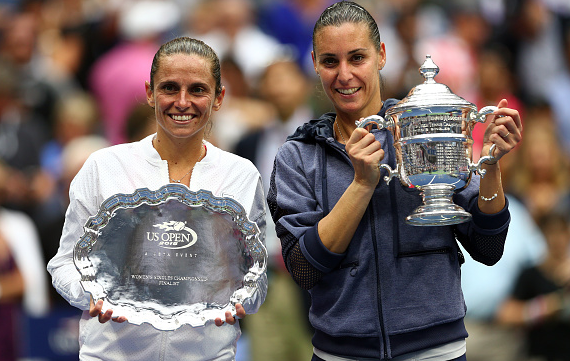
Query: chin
x,y
349,110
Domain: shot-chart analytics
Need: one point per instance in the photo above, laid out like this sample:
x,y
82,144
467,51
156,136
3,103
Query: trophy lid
x,y
430,93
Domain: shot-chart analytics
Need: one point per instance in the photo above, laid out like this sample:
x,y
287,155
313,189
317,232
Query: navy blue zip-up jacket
x,y
397,287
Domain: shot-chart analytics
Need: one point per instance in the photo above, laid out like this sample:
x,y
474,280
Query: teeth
x,y
182,117
347,91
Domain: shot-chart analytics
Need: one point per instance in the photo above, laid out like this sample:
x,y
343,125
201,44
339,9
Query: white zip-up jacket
x,y
123,169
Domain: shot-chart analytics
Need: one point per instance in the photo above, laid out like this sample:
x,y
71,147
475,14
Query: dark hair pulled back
x,y
190,46
347,12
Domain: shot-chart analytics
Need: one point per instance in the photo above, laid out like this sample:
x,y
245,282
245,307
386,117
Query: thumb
x,y
503,103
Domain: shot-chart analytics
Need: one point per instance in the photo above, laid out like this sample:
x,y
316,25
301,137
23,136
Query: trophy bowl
x,y
432,130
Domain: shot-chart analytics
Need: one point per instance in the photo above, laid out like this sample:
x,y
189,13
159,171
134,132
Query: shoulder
x,y
107,162
106,153
294,149
122,151
315,130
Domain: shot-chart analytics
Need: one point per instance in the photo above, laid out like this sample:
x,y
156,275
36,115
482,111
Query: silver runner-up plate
x,y
170,257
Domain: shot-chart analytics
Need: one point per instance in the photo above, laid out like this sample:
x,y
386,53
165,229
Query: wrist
x,y
361,186
491,166
492,161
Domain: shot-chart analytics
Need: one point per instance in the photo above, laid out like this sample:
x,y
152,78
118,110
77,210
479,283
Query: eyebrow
x,y
176,82
349,53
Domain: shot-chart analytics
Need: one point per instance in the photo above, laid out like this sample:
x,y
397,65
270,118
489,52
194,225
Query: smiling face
x,y
348,64
183,96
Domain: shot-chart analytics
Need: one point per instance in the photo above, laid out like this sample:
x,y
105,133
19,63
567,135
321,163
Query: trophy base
x,y
438,208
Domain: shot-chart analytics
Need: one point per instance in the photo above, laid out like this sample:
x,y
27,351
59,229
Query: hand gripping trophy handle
x,y
480,117
381,123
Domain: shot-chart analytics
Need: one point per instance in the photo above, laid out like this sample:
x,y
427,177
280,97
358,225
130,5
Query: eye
x,y
169,87
358,57
198,90
329,61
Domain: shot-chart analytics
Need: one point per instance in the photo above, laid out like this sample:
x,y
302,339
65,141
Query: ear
x,y
219,99
149,94
314,62
381,56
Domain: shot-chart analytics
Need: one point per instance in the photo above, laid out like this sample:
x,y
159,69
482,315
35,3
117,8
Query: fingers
x,y
95,310
240,311
119,319
363,144
365,153
229,318
508,117
507,122
505,130
105,317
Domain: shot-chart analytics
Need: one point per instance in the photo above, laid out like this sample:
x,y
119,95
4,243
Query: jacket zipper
x,y
377,262
378,288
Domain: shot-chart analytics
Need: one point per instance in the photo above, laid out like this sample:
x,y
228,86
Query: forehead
x,y
184,66
347,36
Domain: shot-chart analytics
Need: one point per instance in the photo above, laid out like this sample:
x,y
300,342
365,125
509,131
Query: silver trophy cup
x,y
432,130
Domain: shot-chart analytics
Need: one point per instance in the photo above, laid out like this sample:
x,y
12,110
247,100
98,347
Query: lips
x,y
348,91
182,117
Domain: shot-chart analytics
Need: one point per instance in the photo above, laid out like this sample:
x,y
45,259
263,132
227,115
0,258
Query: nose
x,y
183,100
344,72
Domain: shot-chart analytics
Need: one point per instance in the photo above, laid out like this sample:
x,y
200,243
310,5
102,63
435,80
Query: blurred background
x,y
72,79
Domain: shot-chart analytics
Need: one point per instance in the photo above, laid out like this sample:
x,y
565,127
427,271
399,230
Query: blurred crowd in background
x,y
72,76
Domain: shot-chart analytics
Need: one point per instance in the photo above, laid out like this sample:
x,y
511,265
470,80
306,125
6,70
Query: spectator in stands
x,y
540,300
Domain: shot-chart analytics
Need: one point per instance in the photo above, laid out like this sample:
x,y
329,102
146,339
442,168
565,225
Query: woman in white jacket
x,y
184,89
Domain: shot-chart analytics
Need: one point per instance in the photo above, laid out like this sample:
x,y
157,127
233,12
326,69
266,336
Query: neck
x,y
179,151
342,132
181,160
349,118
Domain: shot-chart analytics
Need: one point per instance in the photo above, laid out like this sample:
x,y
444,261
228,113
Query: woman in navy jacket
x,y
381,289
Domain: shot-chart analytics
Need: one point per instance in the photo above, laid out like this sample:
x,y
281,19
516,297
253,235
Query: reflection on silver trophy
x,y
170,257
432,130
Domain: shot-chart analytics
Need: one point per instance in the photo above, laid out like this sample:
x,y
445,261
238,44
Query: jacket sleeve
x,y
296,211
484,237
65,276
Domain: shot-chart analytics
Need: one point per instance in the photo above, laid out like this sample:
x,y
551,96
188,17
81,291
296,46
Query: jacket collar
x,y
322,128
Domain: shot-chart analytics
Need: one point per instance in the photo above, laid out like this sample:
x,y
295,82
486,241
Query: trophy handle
x,y
480,116
391,172
376,120
478,166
